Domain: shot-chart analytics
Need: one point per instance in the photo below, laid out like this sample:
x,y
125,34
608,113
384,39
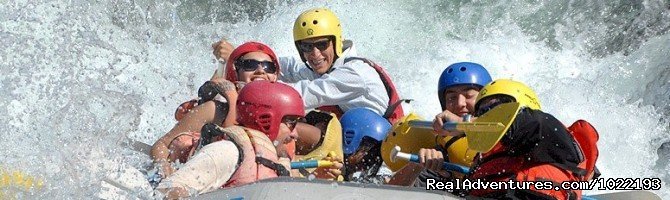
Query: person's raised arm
x,y
221,50
294,70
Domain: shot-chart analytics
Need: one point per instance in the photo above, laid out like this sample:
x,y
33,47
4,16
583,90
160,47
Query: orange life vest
x,y
497,165
394,111
258,156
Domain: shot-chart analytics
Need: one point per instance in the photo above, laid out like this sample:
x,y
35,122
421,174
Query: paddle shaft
x,y
310,164
221,68
446,165
448,126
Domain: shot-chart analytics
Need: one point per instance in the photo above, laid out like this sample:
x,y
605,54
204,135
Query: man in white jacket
x,y
328,72
329,76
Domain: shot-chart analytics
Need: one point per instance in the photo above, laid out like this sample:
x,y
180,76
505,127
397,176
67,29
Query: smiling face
x,y
258,73
319,53
460,100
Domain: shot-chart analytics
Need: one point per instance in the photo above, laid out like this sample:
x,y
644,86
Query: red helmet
x,y
245,48
261,105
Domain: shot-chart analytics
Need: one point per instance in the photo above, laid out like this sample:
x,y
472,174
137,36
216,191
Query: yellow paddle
x,y
461,126
484,140
483,133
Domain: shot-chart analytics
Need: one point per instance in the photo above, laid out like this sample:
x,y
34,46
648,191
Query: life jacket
x,y
258,156
394,111
498,165
587,137
331,142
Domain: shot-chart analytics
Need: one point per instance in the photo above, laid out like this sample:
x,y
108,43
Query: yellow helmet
x,y
521,93
316,23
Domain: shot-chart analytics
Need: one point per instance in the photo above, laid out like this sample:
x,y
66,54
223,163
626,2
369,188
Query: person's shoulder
x,y
544,118
354,61
540,114
358,68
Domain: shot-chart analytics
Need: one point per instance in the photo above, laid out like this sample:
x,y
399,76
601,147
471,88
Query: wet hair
x,y
372,160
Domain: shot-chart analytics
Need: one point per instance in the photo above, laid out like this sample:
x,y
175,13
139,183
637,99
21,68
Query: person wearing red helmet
x,y
243,68
250,61
242,154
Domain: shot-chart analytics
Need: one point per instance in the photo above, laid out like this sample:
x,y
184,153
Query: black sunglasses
x,y
251,65
306,47
292,121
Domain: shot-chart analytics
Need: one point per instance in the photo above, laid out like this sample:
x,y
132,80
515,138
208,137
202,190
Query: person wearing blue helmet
x,y
457,90
364,130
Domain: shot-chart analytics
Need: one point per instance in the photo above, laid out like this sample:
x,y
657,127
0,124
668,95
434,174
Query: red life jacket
x,y
496,165
394,111
587,137
258,156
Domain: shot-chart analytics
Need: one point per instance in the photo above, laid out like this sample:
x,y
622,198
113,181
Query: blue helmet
x,y
361,122
462,73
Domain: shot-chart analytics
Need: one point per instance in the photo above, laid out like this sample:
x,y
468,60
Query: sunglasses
x,y
306,47
251,65
291,122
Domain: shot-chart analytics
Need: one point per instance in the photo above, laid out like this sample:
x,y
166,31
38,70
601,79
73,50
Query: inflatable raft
x,y
300,188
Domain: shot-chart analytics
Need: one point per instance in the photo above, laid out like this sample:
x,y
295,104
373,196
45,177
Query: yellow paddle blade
x,y
484,141
408,138
458,151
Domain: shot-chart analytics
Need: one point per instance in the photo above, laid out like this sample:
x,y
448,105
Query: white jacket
x,y
349,85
